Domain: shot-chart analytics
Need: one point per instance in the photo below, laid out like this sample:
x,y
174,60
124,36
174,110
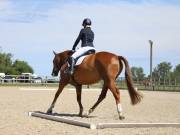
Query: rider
x,y
86,36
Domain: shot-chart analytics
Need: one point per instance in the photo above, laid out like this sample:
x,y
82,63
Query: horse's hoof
x,y
80,114
86,115
90,111
49,111
121,117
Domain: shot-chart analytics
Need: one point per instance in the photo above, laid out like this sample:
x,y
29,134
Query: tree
x,y
22,66
5,59
5,62
176,73
177,70
162,71
138,73
7,66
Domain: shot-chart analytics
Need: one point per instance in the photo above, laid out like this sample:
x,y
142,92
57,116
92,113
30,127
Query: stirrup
x,y
66,71
69,71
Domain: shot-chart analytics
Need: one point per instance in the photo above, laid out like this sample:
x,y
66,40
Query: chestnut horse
x,y
95,67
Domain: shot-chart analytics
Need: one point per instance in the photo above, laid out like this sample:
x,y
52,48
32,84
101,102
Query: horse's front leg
x,y
60,89
78,92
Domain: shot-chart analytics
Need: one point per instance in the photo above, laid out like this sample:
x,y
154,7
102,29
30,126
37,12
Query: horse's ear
x,y
54,53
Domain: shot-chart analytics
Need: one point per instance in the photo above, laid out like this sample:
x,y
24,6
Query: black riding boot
x,y
71,62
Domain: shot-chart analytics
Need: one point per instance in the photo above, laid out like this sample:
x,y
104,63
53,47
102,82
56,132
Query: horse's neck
x,y
65,55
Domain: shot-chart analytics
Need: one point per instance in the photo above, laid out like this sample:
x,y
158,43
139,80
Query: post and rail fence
x,y
27,80
160,84
157,84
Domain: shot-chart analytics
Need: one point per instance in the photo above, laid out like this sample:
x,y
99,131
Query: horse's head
x,y
59,60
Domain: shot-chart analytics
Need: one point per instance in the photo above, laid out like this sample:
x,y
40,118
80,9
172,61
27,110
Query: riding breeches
x,y
82,51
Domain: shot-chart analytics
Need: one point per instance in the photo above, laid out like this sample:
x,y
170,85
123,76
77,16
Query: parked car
x,y
2,75
22,78
25,77
37,80
8,78
52,80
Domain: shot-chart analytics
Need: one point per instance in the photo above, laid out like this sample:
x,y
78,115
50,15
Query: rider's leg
x,y
82,51
77,54
71,62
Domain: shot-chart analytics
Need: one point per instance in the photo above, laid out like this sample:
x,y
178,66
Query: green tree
x,y
7,66
5,62
5,59
22,66
138,73
176,73
162,71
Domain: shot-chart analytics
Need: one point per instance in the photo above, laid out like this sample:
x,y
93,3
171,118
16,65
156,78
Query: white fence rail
x,y
27,79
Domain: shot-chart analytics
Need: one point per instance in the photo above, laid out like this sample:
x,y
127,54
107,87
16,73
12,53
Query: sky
x,y
32,29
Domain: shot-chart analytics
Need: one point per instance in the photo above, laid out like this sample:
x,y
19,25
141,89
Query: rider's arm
x,y
77,40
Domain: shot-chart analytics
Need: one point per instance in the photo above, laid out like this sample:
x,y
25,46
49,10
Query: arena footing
x,y
61,119
101,125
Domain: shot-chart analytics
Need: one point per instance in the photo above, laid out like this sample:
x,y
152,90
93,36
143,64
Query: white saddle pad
x,y
80,60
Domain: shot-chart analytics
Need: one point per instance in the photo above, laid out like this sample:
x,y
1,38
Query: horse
x,y
104,66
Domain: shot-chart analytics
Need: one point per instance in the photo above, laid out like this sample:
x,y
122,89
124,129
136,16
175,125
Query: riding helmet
x,y
86,22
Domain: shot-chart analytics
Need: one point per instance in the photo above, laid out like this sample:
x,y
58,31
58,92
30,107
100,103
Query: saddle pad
x,y
80,60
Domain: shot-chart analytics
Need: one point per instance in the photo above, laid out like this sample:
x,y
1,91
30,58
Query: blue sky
x,y
31,29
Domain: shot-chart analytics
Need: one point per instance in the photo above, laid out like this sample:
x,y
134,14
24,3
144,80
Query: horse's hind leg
x,y
78,92
100,99
116,94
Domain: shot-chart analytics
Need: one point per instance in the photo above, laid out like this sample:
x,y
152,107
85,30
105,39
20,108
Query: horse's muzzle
x,y
54,74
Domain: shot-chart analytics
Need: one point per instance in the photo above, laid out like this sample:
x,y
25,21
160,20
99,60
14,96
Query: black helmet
x,y
86,22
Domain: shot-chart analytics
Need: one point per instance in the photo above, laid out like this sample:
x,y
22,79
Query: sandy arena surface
x,y
15,104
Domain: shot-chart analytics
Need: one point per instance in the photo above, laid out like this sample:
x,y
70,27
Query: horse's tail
x,y
134,94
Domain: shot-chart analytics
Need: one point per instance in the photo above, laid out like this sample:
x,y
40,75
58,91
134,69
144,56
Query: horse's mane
x,y
63,56
66,53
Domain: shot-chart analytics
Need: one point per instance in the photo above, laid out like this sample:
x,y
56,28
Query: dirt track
x,y
16,103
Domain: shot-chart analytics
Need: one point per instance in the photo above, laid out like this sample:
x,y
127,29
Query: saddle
x,y
80,59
